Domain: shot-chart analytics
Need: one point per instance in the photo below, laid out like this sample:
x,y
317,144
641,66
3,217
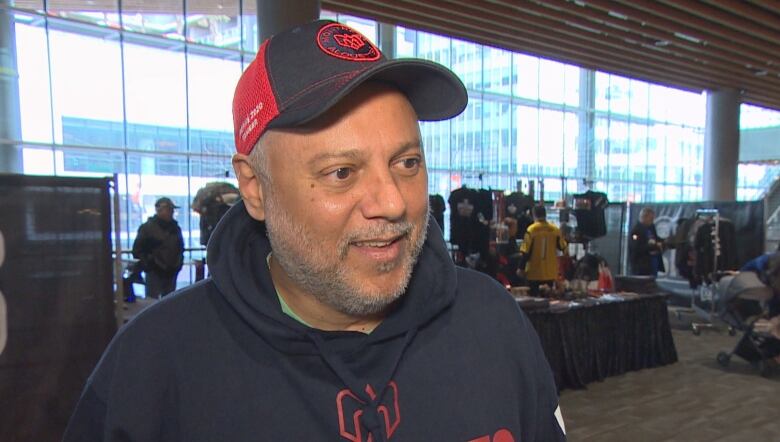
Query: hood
x,y
237,252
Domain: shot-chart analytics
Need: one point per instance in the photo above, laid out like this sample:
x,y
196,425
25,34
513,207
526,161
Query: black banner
x,y
746,216
56,285
610,246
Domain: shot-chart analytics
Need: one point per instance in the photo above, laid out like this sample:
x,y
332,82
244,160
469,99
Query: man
x,y
159,247
644,246
333,312
212,202
767,268
539,257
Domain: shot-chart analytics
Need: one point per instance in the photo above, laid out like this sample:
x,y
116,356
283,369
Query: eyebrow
x,y
352,154
356,154
409,145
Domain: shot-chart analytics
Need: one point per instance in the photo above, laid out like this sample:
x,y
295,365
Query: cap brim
x,y
433,90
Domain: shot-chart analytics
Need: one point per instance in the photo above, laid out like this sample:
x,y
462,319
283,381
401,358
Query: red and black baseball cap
x,y
300,73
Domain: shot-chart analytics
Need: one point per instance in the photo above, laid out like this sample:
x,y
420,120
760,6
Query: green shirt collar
x,y
285,308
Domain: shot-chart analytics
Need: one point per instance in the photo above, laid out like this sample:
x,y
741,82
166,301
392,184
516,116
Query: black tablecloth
x,y
589,343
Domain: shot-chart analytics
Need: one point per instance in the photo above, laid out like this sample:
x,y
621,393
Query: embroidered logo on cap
x,y
345,43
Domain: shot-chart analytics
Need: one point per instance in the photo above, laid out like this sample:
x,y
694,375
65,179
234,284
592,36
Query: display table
x,y
590,342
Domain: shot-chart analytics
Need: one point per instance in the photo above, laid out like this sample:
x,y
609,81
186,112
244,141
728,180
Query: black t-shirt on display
x,y
589,211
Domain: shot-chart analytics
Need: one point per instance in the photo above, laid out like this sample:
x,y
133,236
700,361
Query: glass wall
x,y
144,93
754,179
143,90
573,129
570,128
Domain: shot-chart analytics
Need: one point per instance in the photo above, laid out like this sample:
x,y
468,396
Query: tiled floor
x,y
692,400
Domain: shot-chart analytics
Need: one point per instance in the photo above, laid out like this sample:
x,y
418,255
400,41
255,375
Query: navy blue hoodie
x,y
456,360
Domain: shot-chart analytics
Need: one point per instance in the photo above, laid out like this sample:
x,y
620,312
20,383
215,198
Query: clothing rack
x,y
706,290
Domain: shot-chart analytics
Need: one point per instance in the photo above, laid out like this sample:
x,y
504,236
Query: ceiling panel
x,y
693,45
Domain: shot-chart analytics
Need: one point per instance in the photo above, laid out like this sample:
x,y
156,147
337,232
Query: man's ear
x,y
249,185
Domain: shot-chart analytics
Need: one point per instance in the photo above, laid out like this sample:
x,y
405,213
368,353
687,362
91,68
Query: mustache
x,y
373,232
380,231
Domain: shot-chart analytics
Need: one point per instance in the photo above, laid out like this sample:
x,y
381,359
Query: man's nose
x,y
382,197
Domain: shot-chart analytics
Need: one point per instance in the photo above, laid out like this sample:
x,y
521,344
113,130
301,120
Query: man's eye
x,y
408,165
411,163
343,173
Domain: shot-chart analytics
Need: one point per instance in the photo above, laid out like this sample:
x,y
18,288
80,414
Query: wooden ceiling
x,y
689,44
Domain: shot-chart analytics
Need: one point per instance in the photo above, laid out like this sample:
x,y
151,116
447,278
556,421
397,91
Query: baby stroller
x,y
741,300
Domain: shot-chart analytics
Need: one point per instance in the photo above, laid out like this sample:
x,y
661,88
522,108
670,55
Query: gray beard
x,y
316,271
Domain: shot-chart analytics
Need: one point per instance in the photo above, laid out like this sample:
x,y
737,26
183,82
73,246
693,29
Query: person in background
x,y
539,257
211,202
767,268
438,206
644,246
159,246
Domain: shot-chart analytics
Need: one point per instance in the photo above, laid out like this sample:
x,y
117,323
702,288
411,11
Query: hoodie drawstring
x,y
370,419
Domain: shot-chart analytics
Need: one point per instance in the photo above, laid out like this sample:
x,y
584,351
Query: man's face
x,y
647,217
347,206
164,211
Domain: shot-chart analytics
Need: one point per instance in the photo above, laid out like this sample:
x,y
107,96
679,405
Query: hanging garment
x,y
437,205
589,210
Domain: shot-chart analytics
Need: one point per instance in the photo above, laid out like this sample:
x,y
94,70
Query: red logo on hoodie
x,y
350,412
502,435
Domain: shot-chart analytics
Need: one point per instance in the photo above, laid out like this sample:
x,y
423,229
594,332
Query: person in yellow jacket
x,y
539,251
